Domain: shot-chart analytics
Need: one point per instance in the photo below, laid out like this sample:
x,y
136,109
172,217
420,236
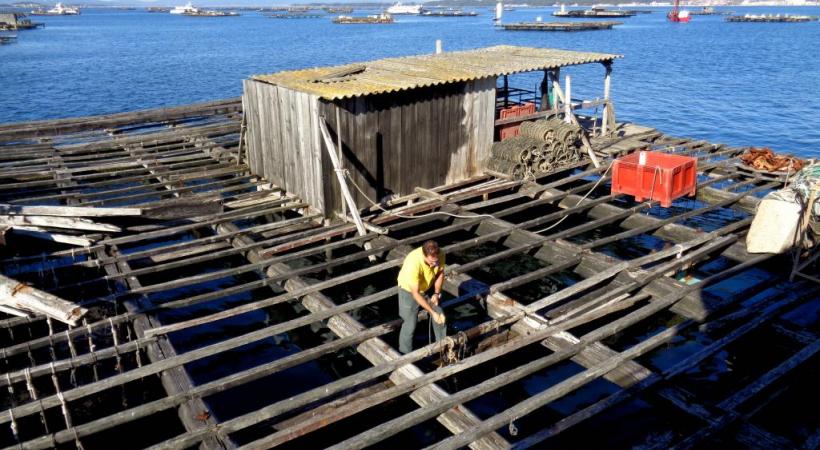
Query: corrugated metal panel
x,y
397,74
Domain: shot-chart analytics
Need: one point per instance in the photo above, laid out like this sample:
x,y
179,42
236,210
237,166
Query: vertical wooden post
x,y
506,91
438,46
545,96
354,211
556,75
567,99
339,150
606,114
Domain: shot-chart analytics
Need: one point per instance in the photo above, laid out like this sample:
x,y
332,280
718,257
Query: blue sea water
x,y
736,83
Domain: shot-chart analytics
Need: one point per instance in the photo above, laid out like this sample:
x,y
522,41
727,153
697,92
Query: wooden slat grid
x,y
158,280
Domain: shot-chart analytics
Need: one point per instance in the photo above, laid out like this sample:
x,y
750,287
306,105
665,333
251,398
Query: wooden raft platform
x,y
170,297
559,26
771,18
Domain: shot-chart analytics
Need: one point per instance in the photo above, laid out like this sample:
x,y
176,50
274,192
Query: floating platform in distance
x,y
594,13
709,11
212,14
293,16
341,10
558,26
158,9
25,25
447,13
770,18
8,39
17,21
375,19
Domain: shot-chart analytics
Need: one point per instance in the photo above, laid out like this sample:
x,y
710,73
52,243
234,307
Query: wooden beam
x,y
22,296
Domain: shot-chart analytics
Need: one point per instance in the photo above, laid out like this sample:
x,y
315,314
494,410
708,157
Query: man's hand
x,y
434,299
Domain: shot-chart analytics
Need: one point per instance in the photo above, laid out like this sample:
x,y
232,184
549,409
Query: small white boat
x,y
63,10
398,8
58,10
187,9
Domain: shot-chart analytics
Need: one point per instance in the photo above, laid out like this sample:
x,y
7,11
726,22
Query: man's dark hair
x,y
430,248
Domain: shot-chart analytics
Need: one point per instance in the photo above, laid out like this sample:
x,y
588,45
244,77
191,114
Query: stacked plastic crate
x,y
511,129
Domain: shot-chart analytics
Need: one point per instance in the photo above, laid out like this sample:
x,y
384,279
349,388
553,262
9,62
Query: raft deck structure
x,y
200,320
771,18
559,26
382,19
17,21
595,12
293,16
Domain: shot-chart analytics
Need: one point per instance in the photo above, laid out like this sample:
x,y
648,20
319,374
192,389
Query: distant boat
x,y
191,10
398,8
187,9
57,10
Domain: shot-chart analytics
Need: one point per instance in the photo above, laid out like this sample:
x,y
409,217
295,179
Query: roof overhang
x,y
400,74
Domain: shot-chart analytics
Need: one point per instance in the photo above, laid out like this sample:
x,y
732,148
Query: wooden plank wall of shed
x,y
424,137
282,138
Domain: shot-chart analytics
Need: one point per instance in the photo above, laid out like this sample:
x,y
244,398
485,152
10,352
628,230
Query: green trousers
x,y
409,311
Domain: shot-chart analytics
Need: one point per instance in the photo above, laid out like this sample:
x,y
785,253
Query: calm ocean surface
x,y
737,83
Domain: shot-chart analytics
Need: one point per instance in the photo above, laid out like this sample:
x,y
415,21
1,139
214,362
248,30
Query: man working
x,y
422,268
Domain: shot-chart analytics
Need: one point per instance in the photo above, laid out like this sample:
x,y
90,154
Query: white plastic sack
x,y
774,227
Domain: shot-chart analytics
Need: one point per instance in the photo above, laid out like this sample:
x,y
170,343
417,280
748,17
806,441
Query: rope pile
x,y
541,147
765,159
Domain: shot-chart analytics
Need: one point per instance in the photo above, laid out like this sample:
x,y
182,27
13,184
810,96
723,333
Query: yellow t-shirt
x,y
416,272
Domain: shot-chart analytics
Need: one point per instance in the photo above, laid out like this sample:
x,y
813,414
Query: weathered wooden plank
x,y
25,130
57,222
316,148
21,296
174,380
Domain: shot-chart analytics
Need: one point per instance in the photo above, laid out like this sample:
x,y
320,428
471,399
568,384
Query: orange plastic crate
x,y
663,177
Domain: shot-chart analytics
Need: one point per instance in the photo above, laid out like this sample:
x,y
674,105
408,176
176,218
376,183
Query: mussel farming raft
x,y
771,18
559,26
224,310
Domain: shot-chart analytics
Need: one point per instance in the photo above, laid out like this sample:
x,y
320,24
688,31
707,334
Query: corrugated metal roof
x,y
398,74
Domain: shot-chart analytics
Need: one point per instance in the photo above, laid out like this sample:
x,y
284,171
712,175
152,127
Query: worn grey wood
x,y
22,296
176,379
24,130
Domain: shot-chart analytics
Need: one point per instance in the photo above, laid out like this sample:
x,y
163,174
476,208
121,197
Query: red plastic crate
x,y
517,110
663,177
508,131
511,129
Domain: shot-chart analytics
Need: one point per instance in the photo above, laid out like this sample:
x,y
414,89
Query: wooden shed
x,y
397,123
